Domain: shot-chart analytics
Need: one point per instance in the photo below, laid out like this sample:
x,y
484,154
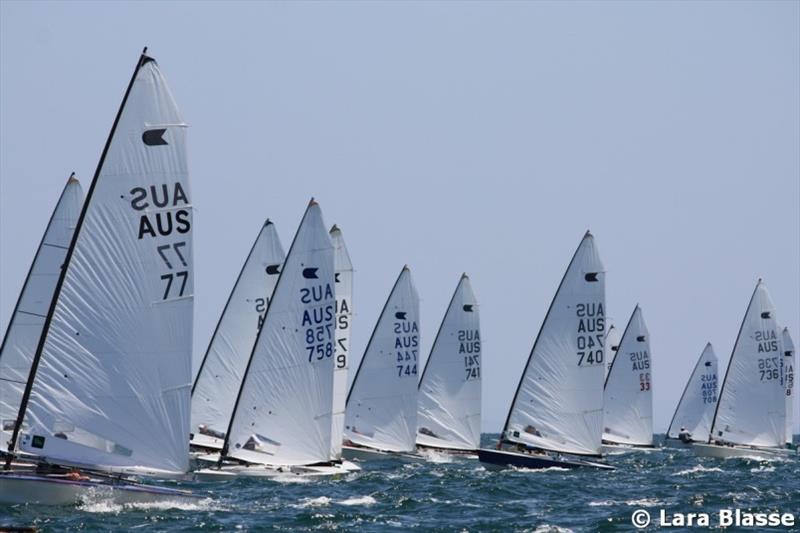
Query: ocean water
x,y
453,495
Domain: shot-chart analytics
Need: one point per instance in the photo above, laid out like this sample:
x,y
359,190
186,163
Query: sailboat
x,y
556,416
750,417
449,415
281,422
381,412
27,320
344,317
696,407
789,387
628,392
108,391
220,375
611,346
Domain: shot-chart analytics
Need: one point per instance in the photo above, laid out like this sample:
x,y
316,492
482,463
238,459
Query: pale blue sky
x,y
477,137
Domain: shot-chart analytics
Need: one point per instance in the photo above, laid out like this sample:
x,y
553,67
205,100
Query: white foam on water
x,y
547,528
548,469
291,478
697,468
312,502
105,504
644,502
358,500
762,468
602,503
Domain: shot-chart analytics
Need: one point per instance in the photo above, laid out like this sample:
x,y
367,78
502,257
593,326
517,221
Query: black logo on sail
x,y
640,338
400,315
468,308
273,269
765,314
310,273
591,276
154,137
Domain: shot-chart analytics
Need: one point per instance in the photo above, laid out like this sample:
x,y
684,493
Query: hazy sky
x,y
477,137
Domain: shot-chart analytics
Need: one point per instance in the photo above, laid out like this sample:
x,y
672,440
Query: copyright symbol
x,y
640,519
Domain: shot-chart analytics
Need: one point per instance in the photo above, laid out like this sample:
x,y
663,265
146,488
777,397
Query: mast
x,y
441,325
70,180
588,234
225,445
730,360
366,350
685,388
143,59
624,332
267,222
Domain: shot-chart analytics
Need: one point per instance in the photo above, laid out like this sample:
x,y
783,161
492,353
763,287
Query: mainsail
x,y
611,346
752,403
344,317
27,321
696,407
558,405
449,413
788,382
110,382
282,415
382,403
628,394
220,375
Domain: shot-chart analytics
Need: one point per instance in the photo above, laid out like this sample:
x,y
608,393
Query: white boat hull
x,y
362,454
615,449
24,488
744,452
230,471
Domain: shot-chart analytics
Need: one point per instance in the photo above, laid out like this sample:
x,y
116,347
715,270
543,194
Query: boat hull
x,y
501,459
24,488
362,454
614,449
230,471
728,452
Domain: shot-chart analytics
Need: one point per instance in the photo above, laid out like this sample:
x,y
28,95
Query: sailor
x,y
685,435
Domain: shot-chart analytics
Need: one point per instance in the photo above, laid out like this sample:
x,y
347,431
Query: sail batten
x,y
450,388
220,374
282,415
558,405
628,394
696,406
751,409
111,379
27,321
381,408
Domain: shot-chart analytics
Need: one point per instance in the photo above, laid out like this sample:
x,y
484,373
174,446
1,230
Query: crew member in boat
x,y
203,429
685,435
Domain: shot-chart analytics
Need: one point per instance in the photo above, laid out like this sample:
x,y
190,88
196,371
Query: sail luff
x,y
35,364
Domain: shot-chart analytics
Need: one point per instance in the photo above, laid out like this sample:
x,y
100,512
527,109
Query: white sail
x,y
27,321
559,401
696,407
220,375
628,394
788,382
112,385
449,413
752,406
382,404
611,346
344,317
283,413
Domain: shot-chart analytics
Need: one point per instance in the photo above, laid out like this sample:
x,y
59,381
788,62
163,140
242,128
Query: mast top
x,y
72,178
335,229
312,202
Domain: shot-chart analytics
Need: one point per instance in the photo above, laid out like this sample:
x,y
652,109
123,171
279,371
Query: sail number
x,y
406,347
469,346
342,325
769,368
167,251
318,321
708,388
591,333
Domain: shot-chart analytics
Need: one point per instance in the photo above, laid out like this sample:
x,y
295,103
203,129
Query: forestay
x,y
344,317
628,394
559,401
220,375
382,403
611,346
449,413
752,405
696,407
788,382
283,413
112,387
27,321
